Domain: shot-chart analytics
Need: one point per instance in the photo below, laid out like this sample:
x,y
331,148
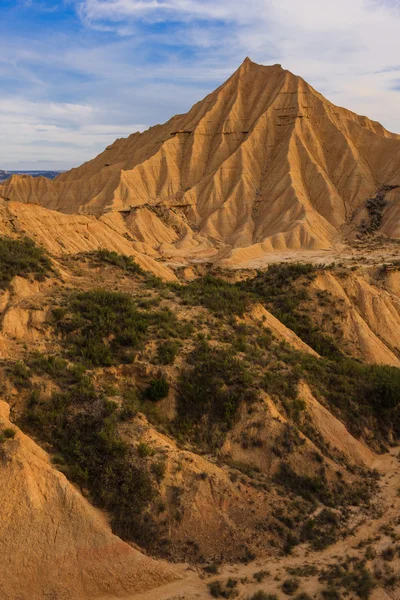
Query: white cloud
x,y
155,10
60,135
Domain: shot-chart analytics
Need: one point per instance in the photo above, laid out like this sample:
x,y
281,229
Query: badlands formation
x,y
263,165
200,359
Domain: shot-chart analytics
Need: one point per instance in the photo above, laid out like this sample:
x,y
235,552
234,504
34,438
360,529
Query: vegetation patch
x,y
210,392
220,297
283,288
81,425
220,589
126,263
350,575
103,328
22,257
321,531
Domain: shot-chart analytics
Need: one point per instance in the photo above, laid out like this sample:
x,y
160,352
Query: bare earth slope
x,y
264,163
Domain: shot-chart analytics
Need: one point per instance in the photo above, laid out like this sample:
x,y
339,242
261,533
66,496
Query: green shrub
x,y
158,469
218,589
321,531
9,433
350,575
157,389
22,257
167,351
145,450
103,328
283,288
331,594
261,575
21,375
82,427
310,488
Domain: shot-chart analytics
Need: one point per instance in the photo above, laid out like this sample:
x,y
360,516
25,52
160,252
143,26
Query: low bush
x,y
321,531
9,433
157,389
219,589
290,586
103,328
260,595
283,289
167,351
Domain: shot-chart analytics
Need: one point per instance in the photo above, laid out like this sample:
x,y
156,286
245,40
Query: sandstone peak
x,y
262,164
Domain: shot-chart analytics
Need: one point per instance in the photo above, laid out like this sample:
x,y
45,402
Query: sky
x,y
77,74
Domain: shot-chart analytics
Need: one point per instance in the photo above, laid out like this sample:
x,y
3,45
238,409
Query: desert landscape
x,y
200,358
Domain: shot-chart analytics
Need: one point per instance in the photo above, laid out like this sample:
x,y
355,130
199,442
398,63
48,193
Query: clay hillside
x,y
263,164
172,428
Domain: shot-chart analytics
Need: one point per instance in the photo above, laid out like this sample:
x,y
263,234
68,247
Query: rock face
x,y
63,546
264,163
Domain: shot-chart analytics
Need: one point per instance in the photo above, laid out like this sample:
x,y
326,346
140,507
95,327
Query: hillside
x,y
264,164
213,421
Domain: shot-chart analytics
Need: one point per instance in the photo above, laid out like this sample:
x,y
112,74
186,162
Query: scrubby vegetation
x,y
375,208
218,370
350,575
260,595
219,296
227,589
126,263
365,396
103,328
7,434
283,288
81,425
158,388
210,392
22,257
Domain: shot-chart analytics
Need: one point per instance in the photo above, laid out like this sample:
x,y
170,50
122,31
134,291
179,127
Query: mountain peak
x,y
250,63
264,164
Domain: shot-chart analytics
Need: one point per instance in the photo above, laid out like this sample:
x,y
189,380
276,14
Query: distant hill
x,y
49,174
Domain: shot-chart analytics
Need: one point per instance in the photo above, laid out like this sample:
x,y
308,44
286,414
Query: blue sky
x,y
76,74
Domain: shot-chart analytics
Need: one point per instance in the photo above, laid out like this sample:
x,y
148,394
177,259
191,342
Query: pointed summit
x,y
262,164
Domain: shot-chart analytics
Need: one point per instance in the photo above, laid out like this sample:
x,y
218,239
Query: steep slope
x,y
62,545
264,163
